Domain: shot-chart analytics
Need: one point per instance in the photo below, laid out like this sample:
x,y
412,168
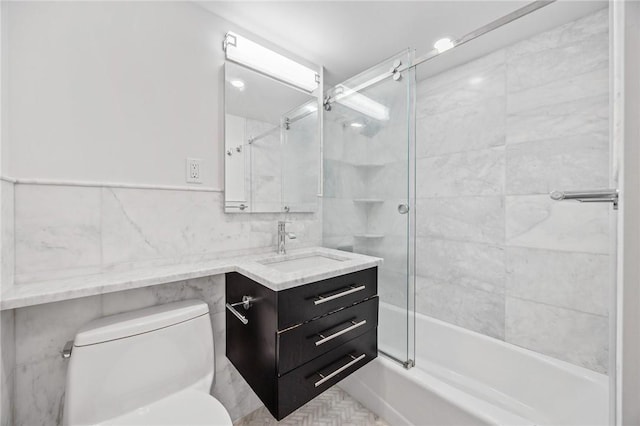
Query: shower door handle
x,y
403,208
588,196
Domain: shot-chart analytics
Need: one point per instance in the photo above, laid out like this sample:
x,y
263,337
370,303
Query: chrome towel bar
x,y
588,196
246,304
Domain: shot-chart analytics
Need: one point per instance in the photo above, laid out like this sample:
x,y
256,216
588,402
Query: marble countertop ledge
x,y
28,294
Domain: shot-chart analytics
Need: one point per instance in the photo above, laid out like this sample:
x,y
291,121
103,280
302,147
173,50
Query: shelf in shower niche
x,y
369,236
368,200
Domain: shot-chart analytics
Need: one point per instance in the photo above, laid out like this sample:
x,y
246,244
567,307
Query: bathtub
x,y
465,378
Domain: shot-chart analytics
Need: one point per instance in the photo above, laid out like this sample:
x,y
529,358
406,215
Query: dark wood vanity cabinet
x,y
298,342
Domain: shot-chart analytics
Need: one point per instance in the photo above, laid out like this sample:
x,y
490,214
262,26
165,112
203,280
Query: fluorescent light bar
x,y
246,52
361,103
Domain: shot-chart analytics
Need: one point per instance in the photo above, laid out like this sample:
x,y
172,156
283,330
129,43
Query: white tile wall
x,y
494,137
7,366
42,330
69,231
7,252
57,231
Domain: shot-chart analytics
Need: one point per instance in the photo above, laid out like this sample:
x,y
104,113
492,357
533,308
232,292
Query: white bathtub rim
x,y
594,376
528,406
469,404
585,373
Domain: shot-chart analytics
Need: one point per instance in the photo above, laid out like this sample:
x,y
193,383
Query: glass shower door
x,y
367,188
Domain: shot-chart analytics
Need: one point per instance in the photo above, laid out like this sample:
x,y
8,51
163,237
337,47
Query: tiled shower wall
x,y
494,137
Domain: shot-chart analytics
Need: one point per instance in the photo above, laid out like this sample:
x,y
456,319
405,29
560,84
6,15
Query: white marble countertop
x,y
27,294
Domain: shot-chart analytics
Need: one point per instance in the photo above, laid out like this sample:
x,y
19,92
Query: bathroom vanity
x,y
291,342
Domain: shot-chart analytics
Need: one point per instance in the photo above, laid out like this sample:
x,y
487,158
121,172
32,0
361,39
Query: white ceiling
x,y
347,37
350,36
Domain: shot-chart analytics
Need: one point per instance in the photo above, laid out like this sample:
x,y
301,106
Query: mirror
x,y
272,144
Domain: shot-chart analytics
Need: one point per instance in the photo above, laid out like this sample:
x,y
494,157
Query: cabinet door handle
x,y
354,361
341,332
352,289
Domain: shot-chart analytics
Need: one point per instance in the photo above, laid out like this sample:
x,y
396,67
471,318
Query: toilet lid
x,y
188,407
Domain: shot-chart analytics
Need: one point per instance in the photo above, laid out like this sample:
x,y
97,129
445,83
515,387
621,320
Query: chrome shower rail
x,y
506,19
252,139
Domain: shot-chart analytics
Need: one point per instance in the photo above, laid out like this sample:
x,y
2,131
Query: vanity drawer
x,y
311,379
314,338
303,303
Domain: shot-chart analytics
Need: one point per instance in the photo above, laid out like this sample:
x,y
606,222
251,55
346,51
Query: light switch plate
x,y
194,170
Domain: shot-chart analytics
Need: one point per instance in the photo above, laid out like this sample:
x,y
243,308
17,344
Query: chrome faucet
x,y
283,235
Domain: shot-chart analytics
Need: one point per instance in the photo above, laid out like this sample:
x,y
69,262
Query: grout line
x,y
507,295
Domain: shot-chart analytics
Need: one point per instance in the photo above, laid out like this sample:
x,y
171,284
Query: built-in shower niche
x,y
366,178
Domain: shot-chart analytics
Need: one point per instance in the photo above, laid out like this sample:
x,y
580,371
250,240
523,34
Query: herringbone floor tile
x,y
333,408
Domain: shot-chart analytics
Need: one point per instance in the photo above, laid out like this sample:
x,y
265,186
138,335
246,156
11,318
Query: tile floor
x,y
334,407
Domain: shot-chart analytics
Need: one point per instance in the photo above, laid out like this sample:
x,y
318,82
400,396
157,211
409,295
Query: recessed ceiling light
x,y
356,124
238,84
443,45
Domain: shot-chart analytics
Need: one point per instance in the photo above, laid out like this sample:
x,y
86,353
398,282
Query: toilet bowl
x,y
153,366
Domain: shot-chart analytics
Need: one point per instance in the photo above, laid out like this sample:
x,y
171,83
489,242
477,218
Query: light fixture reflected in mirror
x,y
361,103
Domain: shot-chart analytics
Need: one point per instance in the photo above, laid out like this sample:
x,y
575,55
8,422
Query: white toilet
x,y
153,366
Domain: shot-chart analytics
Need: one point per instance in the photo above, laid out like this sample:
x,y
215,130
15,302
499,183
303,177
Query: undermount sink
x,y
311,261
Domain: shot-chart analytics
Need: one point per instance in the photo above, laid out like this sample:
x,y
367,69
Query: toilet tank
x,y
123,362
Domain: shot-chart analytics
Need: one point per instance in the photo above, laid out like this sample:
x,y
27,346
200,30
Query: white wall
x,y
115,91
494,137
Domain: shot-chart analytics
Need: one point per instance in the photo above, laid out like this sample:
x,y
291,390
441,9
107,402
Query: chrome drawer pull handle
x,y
352,289
339,370
341,332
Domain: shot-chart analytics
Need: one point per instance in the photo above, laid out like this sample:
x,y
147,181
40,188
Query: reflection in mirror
x,y
272,144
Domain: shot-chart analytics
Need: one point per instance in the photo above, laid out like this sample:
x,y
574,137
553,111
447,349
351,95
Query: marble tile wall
x,y
265,166
6,234
69,231
494,137
7,366
300,166
42,330
64,231
7,341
